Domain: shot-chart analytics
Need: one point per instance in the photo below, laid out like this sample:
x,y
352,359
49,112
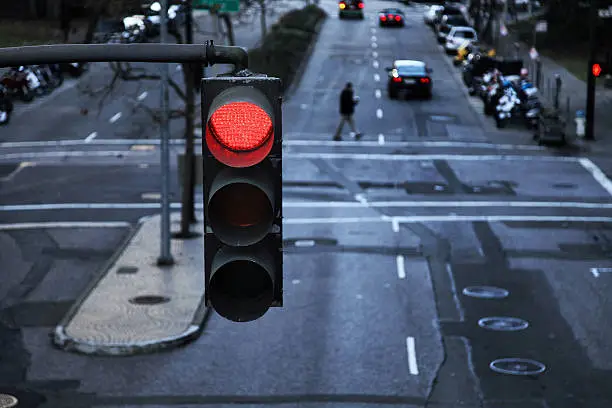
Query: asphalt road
x,y
417,259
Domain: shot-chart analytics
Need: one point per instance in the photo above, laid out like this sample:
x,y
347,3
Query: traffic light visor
x,y
240,128
596,70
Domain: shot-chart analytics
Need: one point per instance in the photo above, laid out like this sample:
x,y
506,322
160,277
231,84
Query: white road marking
x,y
379,113
412,360
362,203
304,243
597,271
18,170
373,39
401,268
395,226
47,155
381,139
375,64
374,54
142,96
452,204
597,174
43,225
374,45
115,117
421,157
91,137
446,218
306,142
295,281
373,30
376,77
378,94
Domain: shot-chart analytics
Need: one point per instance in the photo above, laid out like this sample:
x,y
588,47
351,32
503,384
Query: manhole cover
x,y
125,270
564,185
517,366
503,323
149,300
486,292
7,401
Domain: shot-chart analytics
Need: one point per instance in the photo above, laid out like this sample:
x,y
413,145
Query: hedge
x,y
284,48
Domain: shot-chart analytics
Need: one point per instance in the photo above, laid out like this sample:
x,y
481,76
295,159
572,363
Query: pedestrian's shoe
x,y
337,138
358,136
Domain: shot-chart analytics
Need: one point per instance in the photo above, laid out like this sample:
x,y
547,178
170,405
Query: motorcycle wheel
x,y
500,123
26,95
7,120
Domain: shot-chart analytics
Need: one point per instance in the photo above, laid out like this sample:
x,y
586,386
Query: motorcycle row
x,y
27,82
503,85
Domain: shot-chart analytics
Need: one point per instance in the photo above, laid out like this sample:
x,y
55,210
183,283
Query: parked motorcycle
x,y
506,108
18,84
6,106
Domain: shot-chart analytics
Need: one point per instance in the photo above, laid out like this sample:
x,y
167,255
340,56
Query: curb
x,y
297,77
64,341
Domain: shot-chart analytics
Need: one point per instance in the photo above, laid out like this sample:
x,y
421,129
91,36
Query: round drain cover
x,y
517,366
149,300
7,401
485,292
503,323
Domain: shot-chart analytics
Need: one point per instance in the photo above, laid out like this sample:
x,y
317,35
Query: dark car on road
x,y
391,17
411,76
351,8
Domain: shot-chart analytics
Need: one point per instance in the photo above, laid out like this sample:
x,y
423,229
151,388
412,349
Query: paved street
x,y
437,262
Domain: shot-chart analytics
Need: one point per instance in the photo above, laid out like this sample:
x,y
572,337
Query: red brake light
x,y
240,134
390,16
361,5
397,79
424,80
383,18
397,18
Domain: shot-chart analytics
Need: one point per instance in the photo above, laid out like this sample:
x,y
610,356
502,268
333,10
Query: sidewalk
x,y
136,306
572,95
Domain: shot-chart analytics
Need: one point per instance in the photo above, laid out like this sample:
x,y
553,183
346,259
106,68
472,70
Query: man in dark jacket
x,y
347,109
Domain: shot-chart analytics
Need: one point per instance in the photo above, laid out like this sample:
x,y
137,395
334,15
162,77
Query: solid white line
x,y
374,45
375,64
379,113
376,77
310,142
85,224
373,39
374,54
142,96
597,174
447,218
89,206
421,157
43,155
378,93
444,204
401,269
381,139
115,117
460,312
412,360
306,142
395,226
91,137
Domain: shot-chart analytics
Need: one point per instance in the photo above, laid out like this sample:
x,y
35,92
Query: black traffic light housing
x,y
242,262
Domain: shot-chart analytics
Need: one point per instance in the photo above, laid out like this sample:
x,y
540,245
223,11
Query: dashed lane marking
x,y
142,96
376,77
378,94
379,113
115,117
401,268
412,358
381,139
91,137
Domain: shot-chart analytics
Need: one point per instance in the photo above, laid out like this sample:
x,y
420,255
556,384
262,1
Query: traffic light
x,y
596,70
242,159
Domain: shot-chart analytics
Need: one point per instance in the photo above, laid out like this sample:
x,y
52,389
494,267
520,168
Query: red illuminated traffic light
x,y
242,156
596,70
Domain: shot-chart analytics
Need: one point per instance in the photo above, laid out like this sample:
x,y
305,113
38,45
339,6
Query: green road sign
x,y
220,6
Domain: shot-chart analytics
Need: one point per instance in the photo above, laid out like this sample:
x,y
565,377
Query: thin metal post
x,y
165,257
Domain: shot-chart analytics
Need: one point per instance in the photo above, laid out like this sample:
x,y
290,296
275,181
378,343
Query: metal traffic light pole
x,y
165,256
589,133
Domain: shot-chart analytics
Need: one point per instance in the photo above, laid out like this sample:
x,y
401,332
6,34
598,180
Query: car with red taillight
x,y
410,76
351,8
391,17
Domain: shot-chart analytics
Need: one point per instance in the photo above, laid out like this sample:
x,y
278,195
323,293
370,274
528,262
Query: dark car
x,y
411,76
449,10
391,17
351,8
